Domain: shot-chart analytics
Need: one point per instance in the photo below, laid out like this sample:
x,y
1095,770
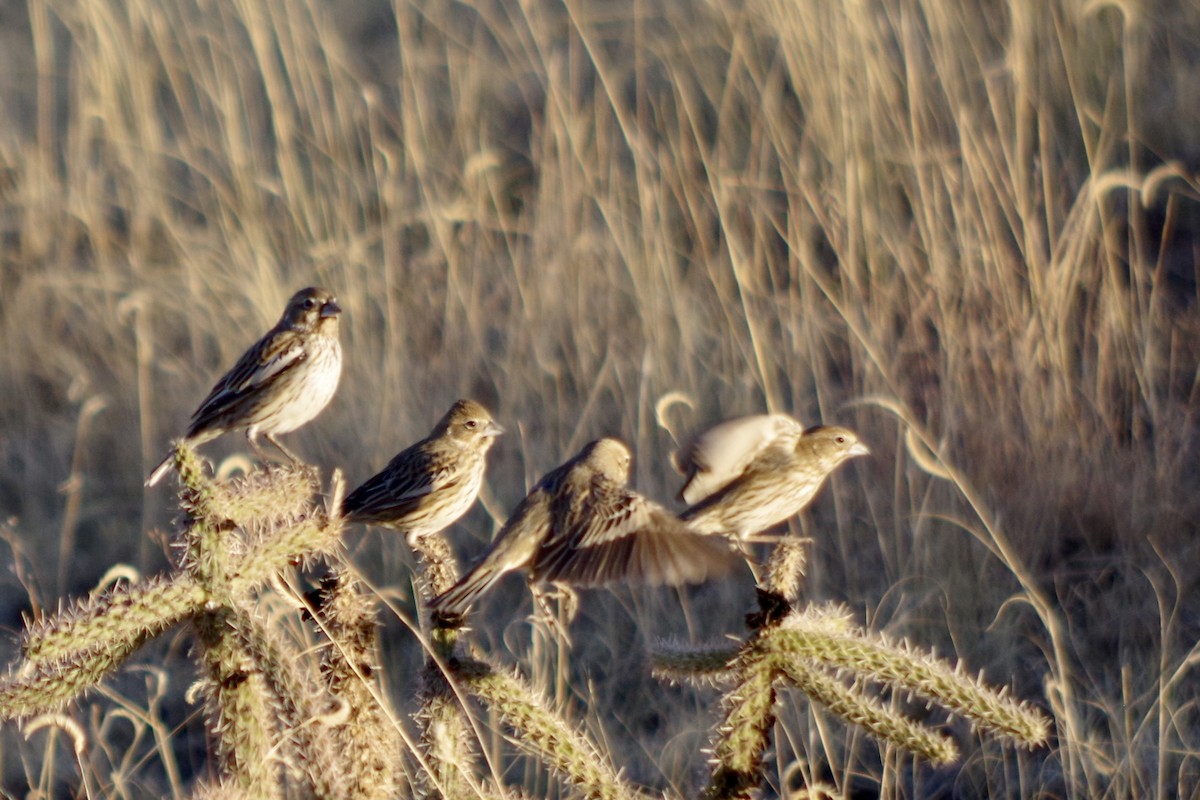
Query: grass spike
x,y
853,706
367,739
701,665
903,668
240,708
543,733
112,619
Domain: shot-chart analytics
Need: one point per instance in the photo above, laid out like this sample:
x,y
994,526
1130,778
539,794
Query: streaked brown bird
x,y
713,458
582,526
428,486
284,381
781,479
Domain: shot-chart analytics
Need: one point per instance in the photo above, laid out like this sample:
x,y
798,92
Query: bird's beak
x,y
330,309
493,429
859,449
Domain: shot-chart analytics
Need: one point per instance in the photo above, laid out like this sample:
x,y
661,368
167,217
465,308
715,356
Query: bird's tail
x,y
457,600
163,468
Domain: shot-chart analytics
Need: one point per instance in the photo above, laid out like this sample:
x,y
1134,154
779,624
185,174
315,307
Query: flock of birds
x,y
581,525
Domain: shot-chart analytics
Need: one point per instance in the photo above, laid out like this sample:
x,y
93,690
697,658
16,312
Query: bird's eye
x,y
310,303
472,424
840,440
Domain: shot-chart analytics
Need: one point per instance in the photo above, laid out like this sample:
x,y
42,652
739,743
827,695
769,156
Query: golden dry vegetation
x,y
968,231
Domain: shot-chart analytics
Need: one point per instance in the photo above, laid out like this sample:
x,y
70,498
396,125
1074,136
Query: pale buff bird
x,y
714,457
778,483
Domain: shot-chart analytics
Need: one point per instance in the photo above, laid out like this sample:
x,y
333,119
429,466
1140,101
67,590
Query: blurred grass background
x,y
985,213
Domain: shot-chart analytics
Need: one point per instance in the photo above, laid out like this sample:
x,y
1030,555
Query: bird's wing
x,y
722,453
618,535
277,351
400,486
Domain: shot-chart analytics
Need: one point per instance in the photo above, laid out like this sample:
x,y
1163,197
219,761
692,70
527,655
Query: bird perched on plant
x,y
581,526
780,480
710,460
429,485
282,382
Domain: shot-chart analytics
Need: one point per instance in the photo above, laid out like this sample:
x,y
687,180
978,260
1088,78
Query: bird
x,y
428,486
713,458
281,383
777,483
581,526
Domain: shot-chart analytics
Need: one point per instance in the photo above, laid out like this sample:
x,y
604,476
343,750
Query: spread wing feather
x,y
618,535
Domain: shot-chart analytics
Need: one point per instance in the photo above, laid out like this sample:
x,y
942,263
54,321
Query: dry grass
x,y
982,216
